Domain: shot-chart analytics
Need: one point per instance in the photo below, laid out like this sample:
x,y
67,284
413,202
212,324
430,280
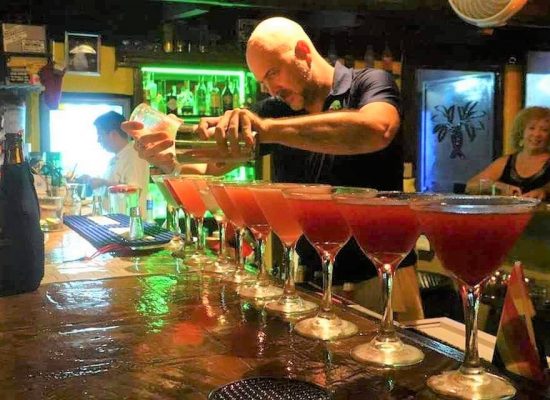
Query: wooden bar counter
x,y
157,331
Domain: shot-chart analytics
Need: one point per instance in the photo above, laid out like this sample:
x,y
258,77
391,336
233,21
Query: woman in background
x,y
527,171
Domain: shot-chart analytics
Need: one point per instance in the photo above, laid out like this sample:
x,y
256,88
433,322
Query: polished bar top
x,y
172,334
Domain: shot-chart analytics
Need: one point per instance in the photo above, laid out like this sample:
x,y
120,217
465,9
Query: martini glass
x,y
186,192
471,236
276,209
218,189
223,263
172,210
325,228
187,247
242,197
386,229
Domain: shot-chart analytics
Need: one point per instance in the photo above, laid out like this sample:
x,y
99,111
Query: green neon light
x,y
201,71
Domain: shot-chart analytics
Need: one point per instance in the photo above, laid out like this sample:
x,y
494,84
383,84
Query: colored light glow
x,y
154,304
201,71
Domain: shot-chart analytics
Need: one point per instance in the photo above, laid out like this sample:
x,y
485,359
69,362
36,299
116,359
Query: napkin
x,y
517,348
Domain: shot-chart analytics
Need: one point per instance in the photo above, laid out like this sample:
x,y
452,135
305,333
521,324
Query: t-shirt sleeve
x,y
377,85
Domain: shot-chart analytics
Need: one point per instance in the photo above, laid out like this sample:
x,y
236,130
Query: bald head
x,y
283,59
276,36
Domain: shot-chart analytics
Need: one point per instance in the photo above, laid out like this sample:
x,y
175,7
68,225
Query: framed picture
x,y
82,53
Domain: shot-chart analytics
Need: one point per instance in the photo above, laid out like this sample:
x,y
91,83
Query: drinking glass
x,y
234,216
325,228
254,218
471,236
122,198
386,229
276,209
223,264
184,189
190,149
172,211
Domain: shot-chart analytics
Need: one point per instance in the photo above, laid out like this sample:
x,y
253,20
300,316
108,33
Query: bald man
x,y
323,124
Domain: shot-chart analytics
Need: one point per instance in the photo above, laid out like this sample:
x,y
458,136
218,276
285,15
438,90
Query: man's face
x,y
282,75
104,138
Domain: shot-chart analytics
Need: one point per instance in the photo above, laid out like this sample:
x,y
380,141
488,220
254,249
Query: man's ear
x,y
302,51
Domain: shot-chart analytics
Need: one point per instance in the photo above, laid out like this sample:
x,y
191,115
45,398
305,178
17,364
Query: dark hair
x,y
110,121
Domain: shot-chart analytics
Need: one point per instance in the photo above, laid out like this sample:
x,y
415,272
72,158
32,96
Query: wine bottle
x,y
21,239
215,100
236,97
227,97
200,98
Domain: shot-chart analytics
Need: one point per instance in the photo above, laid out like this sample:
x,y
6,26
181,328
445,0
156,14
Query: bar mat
x,y
264,388
98,231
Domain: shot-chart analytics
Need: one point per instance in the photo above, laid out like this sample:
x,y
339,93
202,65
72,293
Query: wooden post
x,y
513,102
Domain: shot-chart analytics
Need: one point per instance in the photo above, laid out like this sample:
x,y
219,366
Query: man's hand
x,y
156,147
234,126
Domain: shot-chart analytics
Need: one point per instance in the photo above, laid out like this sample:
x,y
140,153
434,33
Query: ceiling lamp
x,y
486,13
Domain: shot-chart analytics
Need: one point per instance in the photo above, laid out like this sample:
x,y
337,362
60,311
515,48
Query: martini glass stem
x,y
188,234
239,258
172,220
470,300
222,226
201,237
289,289
326,305
263,276
386,274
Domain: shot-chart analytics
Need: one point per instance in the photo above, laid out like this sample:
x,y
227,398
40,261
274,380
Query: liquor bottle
x,y
369,57
250,92
236,97
387,59
215,100
172,102
187,99
227,96
21,239
200,98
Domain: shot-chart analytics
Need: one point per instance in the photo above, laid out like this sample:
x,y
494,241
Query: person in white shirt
x,y
125,167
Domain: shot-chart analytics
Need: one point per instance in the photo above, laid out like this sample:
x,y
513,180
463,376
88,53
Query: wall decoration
x,y
82,53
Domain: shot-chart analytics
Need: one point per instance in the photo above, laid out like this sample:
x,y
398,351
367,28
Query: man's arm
x,y
347,132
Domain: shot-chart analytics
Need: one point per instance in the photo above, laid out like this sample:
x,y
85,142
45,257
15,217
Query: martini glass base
x,y
325,328
199,260
484,386
259,292
220,267
238,277
387,354
288,306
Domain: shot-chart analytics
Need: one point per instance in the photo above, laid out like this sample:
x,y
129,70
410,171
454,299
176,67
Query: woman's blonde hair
x,y
523,118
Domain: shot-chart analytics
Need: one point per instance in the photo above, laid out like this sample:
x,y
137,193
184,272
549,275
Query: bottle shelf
x,y
27,87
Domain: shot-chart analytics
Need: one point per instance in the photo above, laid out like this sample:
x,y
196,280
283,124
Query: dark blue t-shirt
x,y
382,170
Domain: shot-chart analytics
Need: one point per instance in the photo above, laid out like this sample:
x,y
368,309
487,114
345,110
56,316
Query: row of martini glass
x,y
470,234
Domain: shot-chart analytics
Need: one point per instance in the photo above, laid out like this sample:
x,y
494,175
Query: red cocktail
x,y
279,215
386,229
324,226
471,236
245,202
172,210
492,235
223,264
184,187
218,189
